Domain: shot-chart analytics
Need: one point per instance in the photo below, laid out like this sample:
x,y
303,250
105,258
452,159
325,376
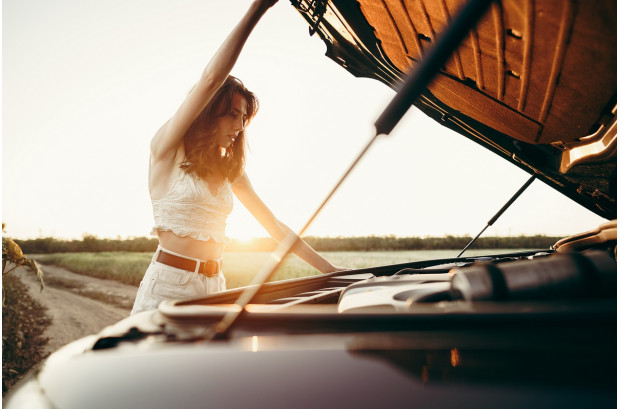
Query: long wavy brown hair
x,y
202,154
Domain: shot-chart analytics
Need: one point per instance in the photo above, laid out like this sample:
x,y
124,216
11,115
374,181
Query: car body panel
x,y
534,82
492,363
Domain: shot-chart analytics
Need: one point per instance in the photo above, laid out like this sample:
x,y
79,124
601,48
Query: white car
x,y
534,82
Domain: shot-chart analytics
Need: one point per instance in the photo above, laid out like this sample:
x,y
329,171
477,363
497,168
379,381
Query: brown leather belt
x,y
209,268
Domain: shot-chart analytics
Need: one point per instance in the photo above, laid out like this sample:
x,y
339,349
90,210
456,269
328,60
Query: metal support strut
x,y
500,212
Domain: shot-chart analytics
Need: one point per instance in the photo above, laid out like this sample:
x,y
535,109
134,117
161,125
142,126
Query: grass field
x,y
239,267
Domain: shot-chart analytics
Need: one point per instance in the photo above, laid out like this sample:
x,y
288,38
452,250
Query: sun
x,y
242,226
243,239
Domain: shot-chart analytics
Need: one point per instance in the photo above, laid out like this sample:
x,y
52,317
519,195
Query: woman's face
x,y
229,125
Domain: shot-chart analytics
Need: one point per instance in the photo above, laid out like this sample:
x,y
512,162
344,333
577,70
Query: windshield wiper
x,y
417,81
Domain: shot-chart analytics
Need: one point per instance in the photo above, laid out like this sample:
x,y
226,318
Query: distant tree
x,y
91,243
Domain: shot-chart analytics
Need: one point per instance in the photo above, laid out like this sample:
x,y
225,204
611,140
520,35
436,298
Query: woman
x,y
197,160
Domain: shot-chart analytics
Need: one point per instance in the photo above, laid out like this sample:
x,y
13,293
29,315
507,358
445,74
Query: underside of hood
x,y
534,82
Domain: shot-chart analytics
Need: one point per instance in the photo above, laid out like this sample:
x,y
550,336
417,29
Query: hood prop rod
x,y
422,75
414,85
500,212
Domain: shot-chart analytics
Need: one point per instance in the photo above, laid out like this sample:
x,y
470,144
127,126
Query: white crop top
x,y
189,209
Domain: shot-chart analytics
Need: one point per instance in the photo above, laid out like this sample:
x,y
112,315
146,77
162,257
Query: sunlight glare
x,y
243,238
455,358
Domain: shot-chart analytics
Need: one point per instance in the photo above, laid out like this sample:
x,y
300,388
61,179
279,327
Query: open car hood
x,y
534,82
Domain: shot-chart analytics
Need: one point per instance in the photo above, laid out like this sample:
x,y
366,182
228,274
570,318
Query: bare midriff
x,y
191,247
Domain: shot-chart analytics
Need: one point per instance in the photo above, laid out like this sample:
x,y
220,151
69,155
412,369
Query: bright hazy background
x,y
87,83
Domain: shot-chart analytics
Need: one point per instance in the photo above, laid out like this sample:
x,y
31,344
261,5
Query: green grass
x,y
125,267
239,267
129,267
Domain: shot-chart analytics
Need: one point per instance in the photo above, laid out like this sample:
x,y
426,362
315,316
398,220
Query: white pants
x,y
162,282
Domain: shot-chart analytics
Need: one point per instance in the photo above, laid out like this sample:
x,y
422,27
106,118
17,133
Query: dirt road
x,y
78,305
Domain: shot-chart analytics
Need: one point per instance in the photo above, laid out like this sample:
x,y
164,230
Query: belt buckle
x,y
211,268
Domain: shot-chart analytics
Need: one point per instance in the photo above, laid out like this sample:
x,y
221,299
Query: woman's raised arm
x,y
169,137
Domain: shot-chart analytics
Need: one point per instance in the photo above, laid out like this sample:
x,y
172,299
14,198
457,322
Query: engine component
x,y
556,276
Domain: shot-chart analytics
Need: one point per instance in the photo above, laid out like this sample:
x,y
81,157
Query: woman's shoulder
x,y
241,178
163,175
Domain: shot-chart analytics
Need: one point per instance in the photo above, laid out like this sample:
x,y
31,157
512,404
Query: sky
x,y
86,83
